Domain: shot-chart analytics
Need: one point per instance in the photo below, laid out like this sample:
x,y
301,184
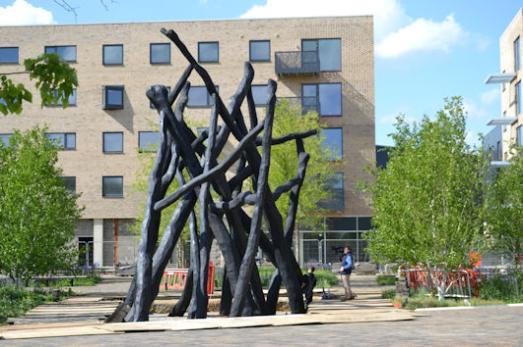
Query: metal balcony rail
x,y
305,103
297,62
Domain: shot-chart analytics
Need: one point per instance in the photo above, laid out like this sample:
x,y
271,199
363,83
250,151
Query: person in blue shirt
x,y
347,264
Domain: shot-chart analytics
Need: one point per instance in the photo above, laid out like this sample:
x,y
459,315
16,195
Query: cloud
x,y
421,35
23,13
481,107
396,33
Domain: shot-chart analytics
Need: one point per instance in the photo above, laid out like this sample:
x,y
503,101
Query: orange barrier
x,y
175,279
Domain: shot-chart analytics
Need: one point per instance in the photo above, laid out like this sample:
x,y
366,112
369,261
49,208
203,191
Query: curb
x,y
457,308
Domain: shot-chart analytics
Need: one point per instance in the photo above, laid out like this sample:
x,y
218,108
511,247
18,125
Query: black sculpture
x,y
237,233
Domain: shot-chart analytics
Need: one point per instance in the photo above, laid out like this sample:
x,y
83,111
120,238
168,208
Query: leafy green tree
x,y
505,209
54,79
37,214
428,201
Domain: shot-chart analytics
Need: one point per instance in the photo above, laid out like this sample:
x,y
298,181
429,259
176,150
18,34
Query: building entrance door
x,y
85,250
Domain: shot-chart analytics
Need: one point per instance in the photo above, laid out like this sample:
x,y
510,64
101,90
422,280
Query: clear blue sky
x,y
425,50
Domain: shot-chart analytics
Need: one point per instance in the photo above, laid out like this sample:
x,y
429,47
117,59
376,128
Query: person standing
x,y
347,264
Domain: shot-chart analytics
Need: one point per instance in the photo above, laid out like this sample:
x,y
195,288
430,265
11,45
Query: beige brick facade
x,y
89,120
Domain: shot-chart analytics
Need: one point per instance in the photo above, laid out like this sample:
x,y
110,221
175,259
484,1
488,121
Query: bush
x,y
386,280
507,288
324,278
16,301
388,294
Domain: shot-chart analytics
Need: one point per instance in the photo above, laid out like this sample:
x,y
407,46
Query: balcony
x,y
306,104
297,63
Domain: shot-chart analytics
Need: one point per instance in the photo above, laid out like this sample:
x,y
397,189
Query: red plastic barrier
x,y
175,279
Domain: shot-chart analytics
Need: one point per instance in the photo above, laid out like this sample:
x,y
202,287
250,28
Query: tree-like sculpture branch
x,y
222,215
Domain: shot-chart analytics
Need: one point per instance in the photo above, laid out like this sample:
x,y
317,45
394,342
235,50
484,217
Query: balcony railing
x,y
299,62
305,103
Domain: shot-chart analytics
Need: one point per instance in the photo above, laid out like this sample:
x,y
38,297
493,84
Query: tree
x,y
505,209
428,201
37,214
55,80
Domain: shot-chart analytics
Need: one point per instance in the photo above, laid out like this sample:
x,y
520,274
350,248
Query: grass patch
x,y
388,294
15,301
386,280
89,280
429,301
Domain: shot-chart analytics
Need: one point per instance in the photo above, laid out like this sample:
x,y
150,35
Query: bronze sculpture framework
x,y
182,154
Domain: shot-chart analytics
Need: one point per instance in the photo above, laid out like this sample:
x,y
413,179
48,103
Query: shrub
x,y
502,287
385,280
324,278
388,294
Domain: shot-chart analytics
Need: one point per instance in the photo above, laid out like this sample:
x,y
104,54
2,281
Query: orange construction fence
x,y
175,279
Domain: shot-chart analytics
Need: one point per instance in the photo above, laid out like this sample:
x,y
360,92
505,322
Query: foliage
x,y
284,163
388,294
324,278
15,301
90,280
428,201
505,209
37,214
385,280
54,79
508,288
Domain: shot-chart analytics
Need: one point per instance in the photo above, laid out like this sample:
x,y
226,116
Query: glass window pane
x,y
113,97
519,99
9,55
113,54
336,202
364,223
4,139
148,140
112,186
333,142
260,50
57,138
260,95
70,141
70,183
113,142
310,90
309,45
330,99
330,54
160,53
208,52
67,53
199,97
517,57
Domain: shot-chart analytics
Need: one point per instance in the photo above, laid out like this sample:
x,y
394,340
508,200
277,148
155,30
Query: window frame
x,y
519,135
319,59
151,53
259,60
145,150
103,142
217,61
58,46
518,98
65,135
112,45
318,97
333,158
113,106
17,56
517,54
104,194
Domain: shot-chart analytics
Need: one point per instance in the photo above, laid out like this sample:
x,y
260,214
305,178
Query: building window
x,y
517,57
160,53
113,54
333,142
260,94
67,53
112,186
64,141
59,102
329,52
9,55
113,96
199,97
208,52
148,141
113,142
518,97
519,135
260,50
327,98
4,139
69,183
336,201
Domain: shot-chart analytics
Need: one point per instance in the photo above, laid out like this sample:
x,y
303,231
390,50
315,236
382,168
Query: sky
x,y
425,50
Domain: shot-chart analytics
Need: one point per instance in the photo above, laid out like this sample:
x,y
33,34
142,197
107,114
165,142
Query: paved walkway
x,y
485,326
